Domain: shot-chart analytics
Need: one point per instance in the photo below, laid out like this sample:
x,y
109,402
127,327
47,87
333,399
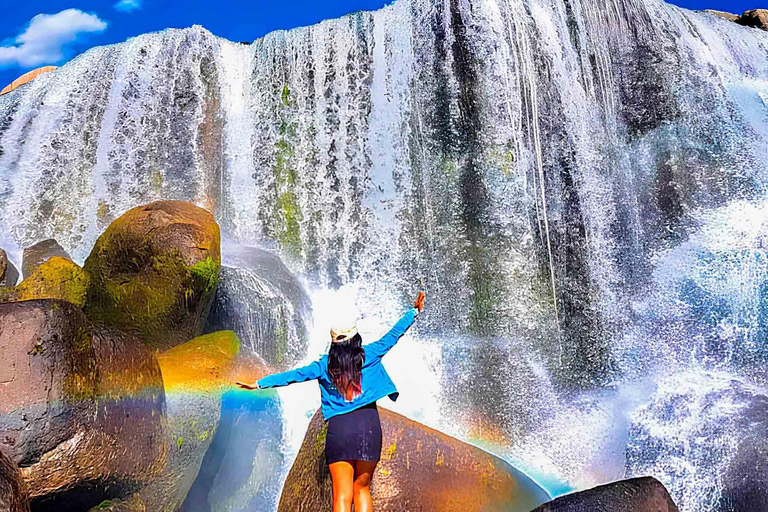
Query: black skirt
x,y
355,435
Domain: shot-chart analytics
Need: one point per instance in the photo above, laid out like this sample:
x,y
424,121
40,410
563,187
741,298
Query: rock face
x,y
39,253
243,467
645,494
265,304
420,470
725,15
13,492
757,18
26,78
8,273
154,272
82,408
195,375
56,278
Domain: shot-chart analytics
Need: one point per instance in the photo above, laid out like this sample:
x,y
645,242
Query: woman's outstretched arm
x,y
381,347
310,372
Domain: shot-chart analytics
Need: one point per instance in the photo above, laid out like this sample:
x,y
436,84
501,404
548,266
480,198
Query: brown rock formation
x,y
56,278
757,18
645,494
26,78
154,272
8,273
81,409
39,253
13,492
722,14
420,470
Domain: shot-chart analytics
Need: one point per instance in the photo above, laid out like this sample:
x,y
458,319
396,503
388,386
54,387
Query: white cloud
x,y
128,5
46,35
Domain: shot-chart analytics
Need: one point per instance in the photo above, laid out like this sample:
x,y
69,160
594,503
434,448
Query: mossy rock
x,y
420,469
154,272
39,253
56,278
195,375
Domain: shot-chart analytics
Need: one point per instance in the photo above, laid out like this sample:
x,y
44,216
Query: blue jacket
x,y
374,380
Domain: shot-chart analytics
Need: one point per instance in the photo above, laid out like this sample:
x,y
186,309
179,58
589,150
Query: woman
x,y
351,379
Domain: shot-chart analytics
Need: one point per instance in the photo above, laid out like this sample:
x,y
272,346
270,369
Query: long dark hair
x,y
345,362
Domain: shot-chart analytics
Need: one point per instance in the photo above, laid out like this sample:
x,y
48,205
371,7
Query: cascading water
x,y
579,185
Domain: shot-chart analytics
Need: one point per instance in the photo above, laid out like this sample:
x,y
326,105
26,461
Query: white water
x,y
579,186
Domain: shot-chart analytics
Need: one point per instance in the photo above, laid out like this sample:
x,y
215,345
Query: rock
x,y
81,409
56,278
420,469
132,504
8,273
725,15
757,18
195,376
244,465
265,304
644,494
40,253
13,492
154,272
26,78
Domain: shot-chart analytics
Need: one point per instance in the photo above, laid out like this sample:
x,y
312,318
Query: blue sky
x,y
47,32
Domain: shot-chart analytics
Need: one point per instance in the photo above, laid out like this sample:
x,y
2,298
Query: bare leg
x,y
362,485
342,475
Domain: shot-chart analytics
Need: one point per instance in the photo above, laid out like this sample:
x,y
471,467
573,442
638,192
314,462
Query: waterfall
x,y
579,186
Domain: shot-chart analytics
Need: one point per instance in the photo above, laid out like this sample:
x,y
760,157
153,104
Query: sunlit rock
x,y
26,78
757,18
244,465
722,14
13,492
643,494
420,469
8,273
154,272
265,304
195,375
40,253
56,278
81,411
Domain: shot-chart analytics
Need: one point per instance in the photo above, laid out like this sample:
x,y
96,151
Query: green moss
x,y
56,278
104,504
179,442
320,439
207,274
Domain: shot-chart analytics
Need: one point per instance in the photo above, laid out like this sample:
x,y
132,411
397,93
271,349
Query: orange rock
x,y
27,77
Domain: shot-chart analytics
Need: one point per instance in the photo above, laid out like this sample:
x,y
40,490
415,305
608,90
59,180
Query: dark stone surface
x,y
13,492
81,409
8,273
757,18
39,253
420,470
645,494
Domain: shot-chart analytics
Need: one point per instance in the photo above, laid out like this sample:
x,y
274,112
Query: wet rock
x,y
645,494
265,304
757,18
8,273
13,492
81,409
154,272
132,504
196,375
420,469
40,253
56,278
725,15
243,466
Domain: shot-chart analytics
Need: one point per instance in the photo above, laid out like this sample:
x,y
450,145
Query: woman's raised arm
x,y
310,372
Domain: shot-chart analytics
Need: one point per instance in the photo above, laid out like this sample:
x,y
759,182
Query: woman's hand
x,y
244,385
419,304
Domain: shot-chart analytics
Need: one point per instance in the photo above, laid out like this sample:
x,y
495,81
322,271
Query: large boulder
x,y
244,465
757,18
8,273
420,470
195,374
260,299
40,253
56,278
154,272
13,492
644,494
81,409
